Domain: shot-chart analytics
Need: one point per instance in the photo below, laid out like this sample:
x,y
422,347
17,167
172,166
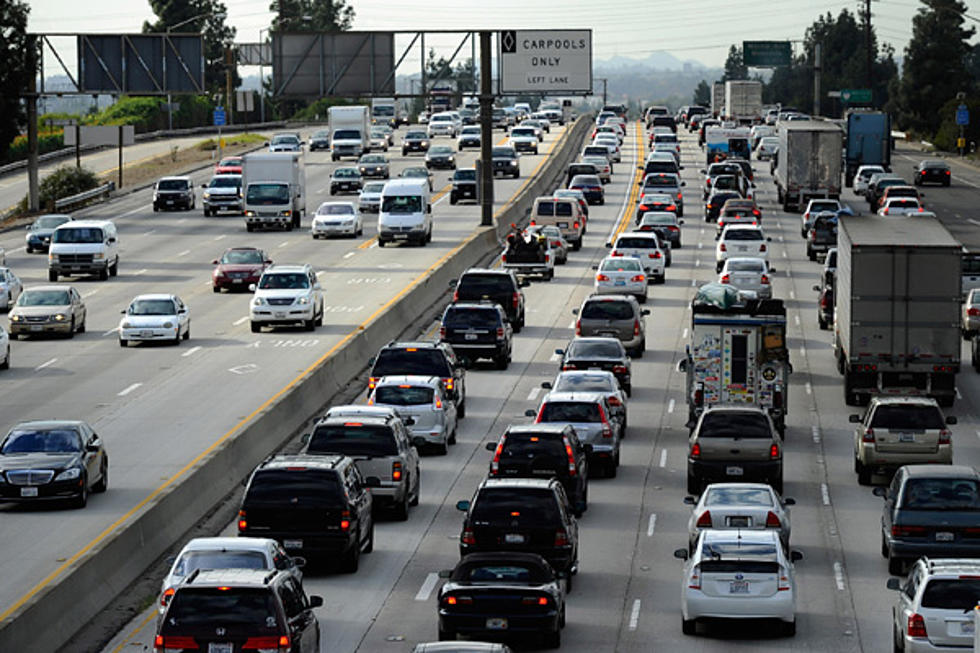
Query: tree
x,y
16,72
935,66
312,15
735,67
702,94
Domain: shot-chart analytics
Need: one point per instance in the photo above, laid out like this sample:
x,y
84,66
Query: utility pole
x,y
869,56
33,200
604,81
485,170
817,65
229,62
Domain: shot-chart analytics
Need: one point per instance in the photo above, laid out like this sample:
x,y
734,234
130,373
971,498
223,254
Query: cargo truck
x,y
867,142
808,162
274,189
718,99
350,132
897,308
743,100
722,143
737,353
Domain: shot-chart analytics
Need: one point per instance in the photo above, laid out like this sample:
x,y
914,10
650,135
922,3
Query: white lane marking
x,y
428,585
796,319
554,359
185,252
802,352
373,245
670,406
110,332
839,576
694,282
785,255
533,394
684,334
663,457
780,238
697,262
127,390
571,325
90,293
958,395
136,210
635,615
789,274
282,244
150,232
809,388
140,271
240,320
652,524
182,221
816,434
792,294
825,494
45,364
221,237
972,221
320,273
349,254
190,351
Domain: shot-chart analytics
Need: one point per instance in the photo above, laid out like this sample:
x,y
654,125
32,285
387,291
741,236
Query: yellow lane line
x,y
637,180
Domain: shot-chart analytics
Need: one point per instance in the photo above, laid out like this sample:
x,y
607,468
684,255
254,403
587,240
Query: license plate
x,y
170,201
146,334
237,280
470,336
743,249
620,282
738,587
496,623
944,536
514,538
733,470
563,225
967,628
401,236
28,492
292,544
906,437
738,522
36,327
223,647
280,314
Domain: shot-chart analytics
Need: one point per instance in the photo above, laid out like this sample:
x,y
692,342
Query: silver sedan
x,y
746,506
621,275
748,273
10,288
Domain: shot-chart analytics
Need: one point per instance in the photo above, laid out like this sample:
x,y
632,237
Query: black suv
x,y
500,286
543,451
522,514
415,141
314,505
223,610
464,186
506,162
423,359
478,330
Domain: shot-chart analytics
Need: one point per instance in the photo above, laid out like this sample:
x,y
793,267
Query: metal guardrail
x,y
79,198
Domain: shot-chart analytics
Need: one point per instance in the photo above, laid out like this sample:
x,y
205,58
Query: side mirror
x,y
645,311
880,492
112,239
702,171
681,554
893,583
214,262
951,419
529,412
317,286
546,385
299,562
204,185
445,573
92,448
462,506
683,183
372,481
769,239
316,601
490,446
680,222
574,311
795,555
428,208
817,288
772,270
595,267
854,419
122,312
682,365
561,352
789,501
689,500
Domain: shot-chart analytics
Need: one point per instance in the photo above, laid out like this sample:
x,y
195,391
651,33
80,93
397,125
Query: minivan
x,y
84,247
564,213
406,212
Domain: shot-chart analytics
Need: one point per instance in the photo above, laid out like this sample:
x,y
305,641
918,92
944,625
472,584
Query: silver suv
x,y
934,610
381,447
615,316
593,421
421,398
896,431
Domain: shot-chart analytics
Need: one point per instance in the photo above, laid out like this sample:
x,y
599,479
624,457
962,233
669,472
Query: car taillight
x,y
638,278
575,224
699,395
783,585
704,521
695,450
396,471
561,537
756,212
163,643
725,278
503,258
614,401
455,296
973,312
707,182
372,382
495,463
765,280
656,254
601,277
673,228
773,451
264,644
535,600
944,436
868,435
636,327
442,332
467,537
619,369
643,208
916,626
438,403
616,253
578,327
722,247
448,383
824,301
166,596
694,583
570,455
500,333
907,531
762,247
606,427
812,233
709,206
806,217
777,398
772,520
242,522
458,600
680,195
345,520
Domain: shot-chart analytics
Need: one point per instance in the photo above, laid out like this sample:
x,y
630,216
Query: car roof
x,y
717,408
317,461
589,397
157,295
945,471
82,224
287,268
48,424
228,544
409,379
540,483
359,410
952,566
48,286
543,427
230,577
611,297
175,178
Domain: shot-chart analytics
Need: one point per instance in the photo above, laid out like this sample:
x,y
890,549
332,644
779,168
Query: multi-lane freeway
x,y
159,407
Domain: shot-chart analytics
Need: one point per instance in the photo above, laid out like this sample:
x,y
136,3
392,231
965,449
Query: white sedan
x,y
738,240
336,219
369,201
621,275
5,348
900,206
736,574
155,317
729,506
10,287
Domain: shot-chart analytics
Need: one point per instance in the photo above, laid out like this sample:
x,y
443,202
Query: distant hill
x,y
658,60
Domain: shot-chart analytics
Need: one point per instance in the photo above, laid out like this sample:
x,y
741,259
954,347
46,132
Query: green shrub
x,y
64,182
319,108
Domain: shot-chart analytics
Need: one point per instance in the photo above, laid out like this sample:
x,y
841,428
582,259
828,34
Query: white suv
x,y
741,240
287,294
442,124
934,611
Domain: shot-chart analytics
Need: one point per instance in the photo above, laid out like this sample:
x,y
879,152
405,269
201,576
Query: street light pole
x,y
170,110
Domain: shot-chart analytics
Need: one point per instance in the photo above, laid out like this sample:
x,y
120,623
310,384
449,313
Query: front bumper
x,y
78,267
233,283
172,202
345,187
150,333
347,227
53,491
38,328
380,172
289,314
416,233
464,191
526,147
223,204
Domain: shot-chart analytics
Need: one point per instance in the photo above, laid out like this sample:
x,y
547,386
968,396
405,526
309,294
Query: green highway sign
x,y
855,95
766,54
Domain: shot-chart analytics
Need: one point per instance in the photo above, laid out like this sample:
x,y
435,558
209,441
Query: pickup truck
x,y
528,254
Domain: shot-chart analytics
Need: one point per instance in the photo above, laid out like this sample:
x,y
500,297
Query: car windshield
x,y
225,181
230,163
50,222
44,298
503,153
742,234
193,560
353,439
335,209
585,383
411,360
173,184
297,485
726,182
267,194
907,418
323,133
403,395
152,307
463,317
607,310
523,133
77,235
570,411
401,204
941,494
243,257
284,281
465,175
347,135
238,608
960,594
416,136
374,187
440,149
37,441
372,158
738,496
734,424
285,139
620,265
531,507
344,173
415,172
655,181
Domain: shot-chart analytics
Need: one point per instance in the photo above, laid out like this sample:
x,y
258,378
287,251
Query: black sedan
x,y
440,156
591,187
502,595
52,460
599,354
932,171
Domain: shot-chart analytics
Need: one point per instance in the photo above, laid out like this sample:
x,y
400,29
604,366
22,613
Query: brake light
x,y
726,278
656,254
783,585
438,403
578,327
503,258
704,521
973,312
467,537
344,520
699,395
642,208
695,450
561,538
616,253
917,626
167,595
636,327
908,531
442,332
672,208
762,247
824,301
756,212
531,600
868,435
772,520
722,247
242,522
619,369
606,428
495,463
372,382
695,581
396,471
614,401
944,436
162,643
448,383
601,277
575,224
455,296
459,600
570,454
765,280
267,643
638,278
773,451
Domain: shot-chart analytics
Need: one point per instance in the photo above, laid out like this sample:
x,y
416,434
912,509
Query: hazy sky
x,y
701,30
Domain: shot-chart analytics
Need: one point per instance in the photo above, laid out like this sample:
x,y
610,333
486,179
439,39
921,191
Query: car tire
x,y
123,343
216,289
187,334
442,449
176,341
103,483
71,330
446,635
884,546
689,626
777,484
5,365
249,227
104,274
369,547
81,500
789,628
401,508
256,327
863,473
310,324
896,566
552,639
502,362
461,410
693,485
352,559
822,323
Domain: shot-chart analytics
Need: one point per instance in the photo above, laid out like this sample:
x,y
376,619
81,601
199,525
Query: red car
x,y
238,267
230,165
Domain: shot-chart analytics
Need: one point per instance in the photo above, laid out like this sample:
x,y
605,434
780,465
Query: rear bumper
x,y
479,351
718,471
905,549
780,606
892,460
471,624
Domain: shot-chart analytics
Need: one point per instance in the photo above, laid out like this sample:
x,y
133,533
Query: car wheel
x,y
187,334
884,546
123,343
442,449
352,559
215,289
418,490
369,547
864,474
789,628
689,626
81,500
319,319
104,274
310,324
446,635
103,483
71,330
29,249
553,639
401,508
503,362
5,365
256,327
693,485
176,340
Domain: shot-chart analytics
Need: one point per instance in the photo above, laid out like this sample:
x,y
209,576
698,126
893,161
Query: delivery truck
x,y
897,308
743,101
868,141
350,132
718,99
274,183
808,162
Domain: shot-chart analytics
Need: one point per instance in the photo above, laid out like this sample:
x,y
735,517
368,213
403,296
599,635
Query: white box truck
x,y
274,185
350,132
743,100
384,111
897,308
808,163
718,99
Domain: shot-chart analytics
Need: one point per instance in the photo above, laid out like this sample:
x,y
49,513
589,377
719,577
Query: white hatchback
x,y
621,275
738,574
160,317
336,219
739,240
900,206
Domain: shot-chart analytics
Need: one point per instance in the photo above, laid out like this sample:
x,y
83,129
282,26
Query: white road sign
x,y
545,61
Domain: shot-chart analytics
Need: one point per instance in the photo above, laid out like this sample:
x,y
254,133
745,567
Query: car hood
x,y
33,311
282,292
42,233
54,461
240,267
222,190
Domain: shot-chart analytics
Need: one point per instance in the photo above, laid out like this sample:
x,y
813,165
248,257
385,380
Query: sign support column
x,y
486,133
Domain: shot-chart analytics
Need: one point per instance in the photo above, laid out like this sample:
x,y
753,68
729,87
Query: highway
x,y
158,408
626,597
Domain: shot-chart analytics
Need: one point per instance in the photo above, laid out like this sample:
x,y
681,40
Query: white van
x,y
406,212
89,247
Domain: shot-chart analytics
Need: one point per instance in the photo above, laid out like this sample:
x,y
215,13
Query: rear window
x,y
628,242
585,383
620,264
310,487
403,395
745,266
219,560
910,417
354,439
734,424
941,494
746,496
570,411
531,507
471,317
952,594
531,447
660,166
486,283
411,360
659,181
579,348
743,566
237,609
743,234
551,208
607,310
502,573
